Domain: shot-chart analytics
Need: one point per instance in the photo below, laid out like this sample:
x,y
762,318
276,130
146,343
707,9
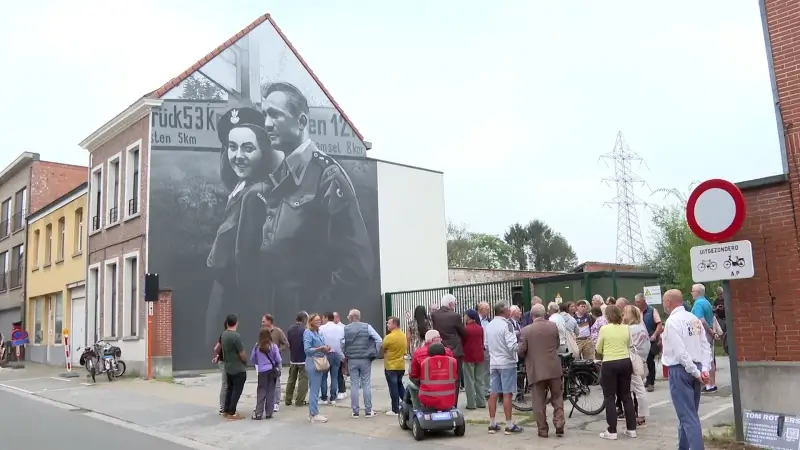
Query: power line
x,y
630,244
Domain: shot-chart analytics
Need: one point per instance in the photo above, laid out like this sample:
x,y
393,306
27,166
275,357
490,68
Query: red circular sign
x,y
715,210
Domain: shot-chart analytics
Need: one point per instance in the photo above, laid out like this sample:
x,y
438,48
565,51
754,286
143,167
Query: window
x,y
17,266
5,219
78,244
3,271
96,199
59,317
132,169
62,237
111,311
93,296
38,318
131,286
35,254
20,209
113,190
48,244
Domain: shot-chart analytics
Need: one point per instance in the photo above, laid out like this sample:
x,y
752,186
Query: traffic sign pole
x,y
715,212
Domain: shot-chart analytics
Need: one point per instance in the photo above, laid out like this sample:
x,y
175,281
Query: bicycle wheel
x,y
523,401
701,267
586,396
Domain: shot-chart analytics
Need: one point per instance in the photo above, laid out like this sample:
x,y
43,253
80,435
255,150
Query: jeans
x,y
223,386
394,378
234,391
297,376
314,385
265,394
615,378
684,390
473,384
335,360
360,378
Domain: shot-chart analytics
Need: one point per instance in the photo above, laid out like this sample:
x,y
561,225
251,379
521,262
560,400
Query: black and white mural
x,y
261,199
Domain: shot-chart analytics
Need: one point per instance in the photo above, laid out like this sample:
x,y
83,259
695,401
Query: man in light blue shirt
x,y
703,310
502,342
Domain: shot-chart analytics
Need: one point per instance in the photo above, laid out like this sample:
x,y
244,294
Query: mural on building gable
x,y
261,199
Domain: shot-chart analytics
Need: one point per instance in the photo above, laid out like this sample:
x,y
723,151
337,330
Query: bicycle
x,y
707,264
580,376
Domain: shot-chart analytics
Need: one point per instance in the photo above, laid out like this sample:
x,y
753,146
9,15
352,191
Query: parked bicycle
x,y
580,378
731,262
707,264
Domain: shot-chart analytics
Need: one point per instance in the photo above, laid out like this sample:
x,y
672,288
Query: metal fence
x,y
402,304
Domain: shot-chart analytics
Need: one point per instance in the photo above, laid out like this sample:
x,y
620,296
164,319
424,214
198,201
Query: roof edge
x,y
123,120
19,162
51,207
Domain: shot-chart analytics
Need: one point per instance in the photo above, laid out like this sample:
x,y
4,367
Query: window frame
x,y
130,169
111,321
131,305
94,209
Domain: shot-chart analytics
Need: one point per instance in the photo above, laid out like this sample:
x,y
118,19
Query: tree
x,y
538,246
198,87
477,250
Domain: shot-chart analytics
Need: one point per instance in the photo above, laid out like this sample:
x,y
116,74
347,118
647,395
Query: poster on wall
x,y
261,199
652,295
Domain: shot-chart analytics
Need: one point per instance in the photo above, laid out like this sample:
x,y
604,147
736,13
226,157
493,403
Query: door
x,y
77,329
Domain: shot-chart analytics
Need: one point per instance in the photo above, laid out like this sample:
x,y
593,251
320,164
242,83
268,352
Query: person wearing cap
x,y
415,369
246,160
315,243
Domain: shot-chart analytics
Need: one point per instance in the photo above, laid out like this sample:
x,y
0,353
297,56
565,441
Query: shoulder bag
x,y
275,369
636,360
321,363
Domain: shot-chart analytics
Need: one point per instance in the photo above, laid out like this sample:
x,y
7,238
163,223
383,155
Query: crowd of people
x,y
487,351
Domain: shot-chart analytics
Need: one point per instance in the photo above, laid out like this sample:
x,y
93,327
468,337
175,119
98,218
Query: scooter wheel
x,y
416,429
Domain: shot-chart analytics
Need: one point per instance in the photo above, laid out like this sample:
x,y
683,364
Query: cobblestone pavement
x,y
186,409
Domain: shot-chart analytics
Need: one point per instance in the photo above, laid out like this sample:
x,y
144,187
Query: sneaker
x,y
609,436
340,396
630,433
370,414
276,407
391,413
221,411
354,415
326,402
332,402
709,390
494,429
514,429
318,419
649,388
641,423
236,416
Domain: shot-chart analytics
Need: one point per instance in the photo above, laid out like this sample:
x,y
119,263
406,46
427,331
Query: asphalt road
x,y
26,423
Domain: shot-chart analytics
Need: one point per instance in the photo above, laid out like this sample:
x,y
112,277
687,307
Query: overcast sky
x,y
514,101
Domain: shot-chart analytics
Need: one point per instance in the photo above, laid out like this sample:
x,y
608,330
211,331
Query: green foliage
x,y
198,87
538,246
477,250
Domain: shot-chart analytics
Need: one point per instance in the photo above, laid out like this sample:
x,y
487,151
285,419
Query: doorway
x,y
77,329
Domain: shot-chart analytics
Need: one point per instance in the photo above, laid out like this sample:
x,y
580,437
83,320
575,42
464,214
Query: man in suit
x,y
539,347
451,328
315,247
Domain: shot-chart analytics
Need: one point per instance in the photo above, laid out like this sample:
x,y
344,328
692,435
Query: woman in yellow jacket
x,y
613,344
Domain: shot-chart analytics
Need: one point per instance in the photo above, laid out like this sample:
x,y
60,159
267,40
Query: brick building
x,y
26,185
766,307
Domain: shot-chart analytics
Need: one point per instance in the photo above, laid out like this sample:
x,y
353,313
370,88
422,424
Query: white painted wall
x,y
412,227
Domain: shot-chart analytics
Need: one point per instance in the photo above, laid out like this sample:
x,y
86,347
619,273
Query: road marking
x,y
64,389
150,432
661,403
716,411
87,384
60,379
24,379
14,388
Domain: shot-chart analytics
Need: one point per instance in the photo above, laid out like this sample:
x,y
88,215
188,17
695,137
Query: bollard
x,y
67,356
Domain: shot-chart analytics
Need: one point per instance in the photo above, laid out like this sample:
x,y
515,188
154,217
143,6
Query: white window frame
x,y
9,214
126,287
108,332
92,197
110,188
61,247
36,303
129,193
78,227
58,297
92,308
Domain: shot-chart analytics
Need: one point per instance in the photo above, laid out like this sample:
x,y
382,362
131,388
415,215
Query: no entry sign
x,y
715,210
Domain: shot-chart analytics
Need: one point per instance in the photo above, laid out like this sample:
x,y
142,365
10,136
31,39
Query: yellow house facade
x,y
55,304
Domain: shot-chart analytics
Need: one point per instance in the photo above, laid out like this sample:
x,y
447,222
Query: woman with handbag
x,y
316,364
267,358
613,343
640,348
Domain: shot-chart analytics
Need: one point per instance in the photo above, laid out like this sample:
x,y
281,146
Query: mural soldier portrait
x,y
315,245
246,161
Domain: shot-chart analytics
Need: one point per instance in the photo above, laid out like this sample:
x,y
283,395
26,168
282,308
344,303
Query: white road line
x,y
716,411
14,388
63,389
661,403
24,379
150,432
32,396
61,379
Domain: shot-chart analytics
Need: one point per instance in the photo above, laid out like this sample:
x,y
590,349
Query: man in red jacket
x,y
438,387
415,371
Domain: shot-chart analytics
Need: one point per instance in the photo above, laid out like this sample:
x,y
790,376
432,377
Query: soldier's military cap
x,y
240,117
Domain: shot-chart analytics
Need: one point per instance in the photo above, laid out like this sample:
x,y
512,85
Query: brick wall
x,y
766,308
50,180
461,276
162,324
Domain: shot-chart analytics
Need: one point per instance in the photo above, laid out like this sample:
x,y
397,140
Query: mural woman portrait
x,y
247,159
